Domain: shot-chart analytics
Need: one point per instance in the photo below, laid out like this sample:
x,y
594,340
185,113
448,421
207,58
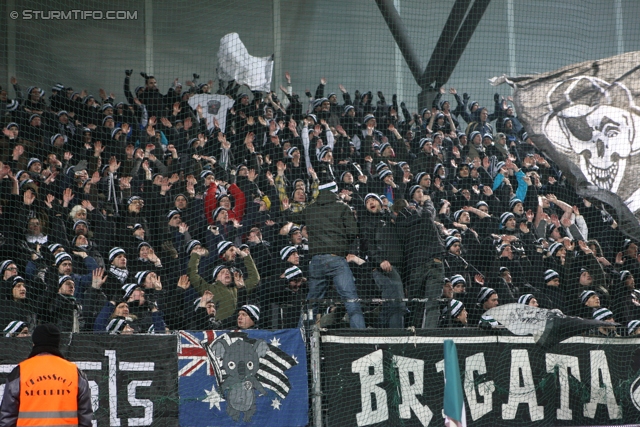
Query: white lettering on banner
x,y
634,391
601,387
113,367
95,389
145,403
114,421
371,373
95,399
476,363
407,366
565,364
521,370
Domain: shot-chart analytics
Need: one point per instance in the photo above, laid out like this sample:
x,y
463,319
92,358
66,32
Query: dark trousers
x,y
425,281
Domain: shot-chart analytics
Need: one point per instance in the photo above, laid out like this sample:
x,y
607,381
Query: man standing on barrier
x,y
46,389
424,252
332,230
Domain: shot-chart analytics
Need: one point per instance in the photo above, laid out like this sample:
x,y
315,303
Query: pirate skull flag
x,y
585,118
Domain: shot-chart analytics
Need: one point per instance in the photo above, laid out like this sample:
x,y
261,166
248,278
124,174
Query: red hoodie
x,y
211,202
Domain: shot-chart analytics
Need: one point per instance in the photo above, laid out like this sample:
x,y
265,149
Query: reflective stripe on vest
x,y
48,392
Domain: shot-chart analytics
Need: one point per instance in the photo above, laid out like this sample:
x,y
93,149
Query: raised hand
x,y
49,200
485,163
51,178
184,283
18,151
114,164
165,186
285,204
67,196
95,178
530,215
87,205
98,278
125,182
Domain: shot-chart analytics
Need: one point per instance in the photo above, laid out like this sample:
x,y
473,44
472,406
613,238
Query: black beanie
x,y
46,339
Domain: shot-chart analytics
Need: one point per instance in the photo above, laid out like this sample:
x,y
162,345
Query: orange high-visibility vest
x,y
48,392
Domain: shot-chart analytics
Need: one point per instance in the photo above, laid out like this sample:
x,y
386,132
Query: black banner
x,y
398,379
134,379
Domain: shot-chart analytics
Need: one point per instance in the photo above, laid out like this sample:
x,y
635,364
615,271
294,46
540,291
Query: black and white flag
x,y
548,327
584,117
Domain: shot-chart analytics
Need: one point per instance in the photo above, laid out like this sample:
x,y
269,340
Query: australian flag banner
x,y
585,118
243,378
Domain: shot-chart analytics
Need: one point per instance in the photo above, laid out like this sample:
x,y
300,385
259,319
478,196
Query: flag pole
x,y
453,402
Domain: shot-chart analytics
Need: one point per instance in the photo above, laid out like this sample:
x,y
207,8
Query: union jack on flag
x,y
191,351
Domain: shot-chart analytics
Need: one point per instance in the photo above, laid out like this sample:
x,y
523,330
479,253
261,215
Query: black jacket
x,y
380,239
420,236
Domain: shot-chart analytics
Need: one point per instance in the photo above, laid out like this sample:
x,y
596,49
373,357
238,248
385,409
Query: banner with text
x,y
398,379
129,387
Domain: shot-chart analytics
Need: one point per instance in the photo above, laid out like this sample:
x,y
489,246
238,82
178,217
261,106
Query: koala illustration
x,y
241,361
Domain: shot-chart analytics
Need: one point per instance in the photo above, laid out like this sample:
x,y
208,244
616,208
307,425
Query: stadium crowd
x,y
143,216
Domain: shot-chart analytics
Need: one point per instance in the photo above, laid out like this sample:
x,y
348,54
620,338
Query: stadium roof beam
x,y
451,51
460,26
400,35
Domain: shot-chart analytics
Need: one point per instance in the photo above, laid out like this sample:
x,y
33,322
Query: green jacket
x,y
330,223
225,297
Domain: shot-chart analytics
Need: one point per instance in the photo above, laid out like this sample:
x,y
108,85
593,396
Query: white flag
x,y
213,106
235,63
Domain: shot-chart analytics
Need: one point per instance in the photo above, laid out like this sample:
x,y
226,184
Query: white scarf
x,y
120,274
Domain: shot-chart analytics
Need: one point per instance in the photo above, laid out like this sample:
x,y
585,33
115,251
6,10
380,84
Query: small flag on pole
x,y
454,410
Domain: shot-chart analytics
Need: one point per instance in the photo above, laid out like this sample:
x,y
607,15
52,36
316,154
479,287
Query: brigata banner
x,y
133,378
398,379
248,378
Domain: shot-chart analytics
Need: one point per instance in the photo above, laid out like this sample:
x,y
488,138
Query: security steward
x,y
46,389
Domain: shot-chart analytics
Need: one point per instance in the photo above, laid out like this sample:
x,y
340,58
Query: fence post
x,y
315,371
